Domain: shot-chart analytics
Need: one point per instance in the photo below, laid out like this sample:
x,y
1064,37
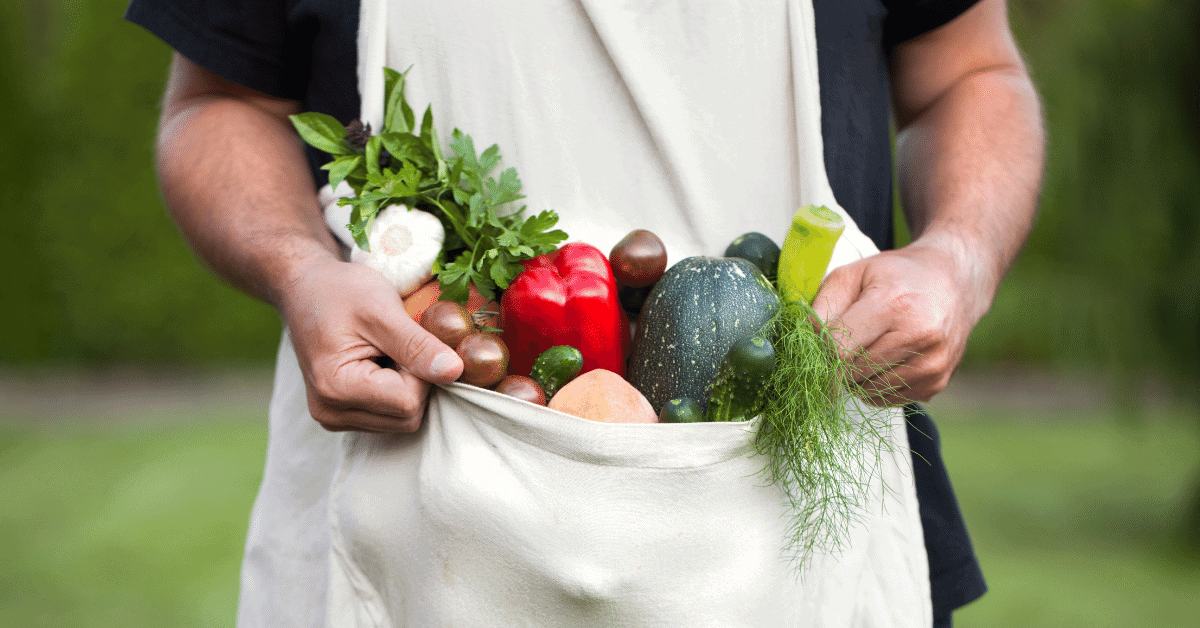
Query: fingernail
x,y
443,364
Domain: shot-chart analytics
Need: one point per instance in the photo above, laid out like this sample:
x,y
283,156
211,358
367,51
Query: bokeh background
x,y
133,384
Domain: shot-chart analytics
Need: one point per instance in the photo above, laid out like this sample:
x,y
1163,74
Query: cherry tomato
x,y
522,387
450,322
485,359
639,259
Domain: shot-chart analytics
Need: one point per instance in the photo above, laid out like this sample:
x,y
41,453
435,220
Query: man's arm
x,y
970,151
235,178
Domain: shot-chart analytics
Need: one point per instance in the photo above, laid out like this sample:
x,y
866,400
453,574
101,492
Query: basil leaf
x,y
322,132
394,120
429,136
373,147
409,119
408,147
390,79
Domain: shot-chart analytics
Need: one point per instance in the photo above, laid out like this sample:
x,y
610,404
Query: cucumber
x,y
757,249
555,367
807,250
681,410
738,392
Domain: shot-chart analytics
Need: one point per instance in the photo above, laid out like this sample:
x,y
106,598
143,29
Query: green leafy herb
x,y
823,445
404,164
323,132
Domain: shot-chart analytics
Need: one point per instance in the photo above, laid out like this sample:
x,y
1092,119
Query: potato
x,y
601,395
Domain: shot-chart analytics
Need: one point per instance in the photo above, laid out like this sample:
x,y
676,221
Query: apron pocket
x,y
500,512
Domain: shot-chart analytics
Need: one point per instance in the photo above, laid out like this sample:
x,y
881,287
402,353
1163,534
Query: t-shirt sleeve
x,y
245,41
907,19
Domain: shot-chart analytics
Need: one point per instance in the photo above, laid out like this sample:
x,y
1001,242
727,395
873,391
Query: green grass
x,y
134,526
142,525
1076,518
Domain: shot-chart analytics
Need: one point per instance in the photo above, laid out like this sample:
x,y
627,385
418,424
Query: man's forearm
x,y
970,172
236,181
970,155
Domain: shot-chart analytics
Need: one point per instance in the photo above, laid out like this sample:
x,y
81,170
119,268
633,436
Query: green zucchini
x,y
759,250
807,250
555,367
697,310
681,411
739,391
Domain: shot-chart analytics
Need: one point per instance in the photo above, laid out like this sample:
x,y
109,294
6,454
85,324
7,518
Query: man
x,y
969,148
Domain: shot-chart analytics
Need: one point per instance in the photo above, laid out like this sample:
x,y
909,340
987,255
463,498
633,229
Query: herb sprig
x,y
823,444
404,164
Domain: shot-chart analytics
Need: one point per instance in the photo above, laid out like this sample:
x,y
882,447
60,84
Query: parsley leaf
x,y
340,168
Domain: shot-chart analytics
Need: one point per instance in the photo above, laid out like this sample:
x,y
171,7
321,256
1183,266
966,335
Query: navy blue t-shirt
x,y
305,50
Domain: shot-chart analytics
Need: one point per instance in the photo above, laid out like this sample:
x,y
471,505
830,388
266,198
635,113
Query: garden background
x,y
132,383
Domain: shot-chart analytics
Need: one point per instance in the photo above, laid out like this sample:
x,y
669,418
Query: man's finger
x,y
413,348
860,326
360,384
853,318
887,387
353,419
916,379
840,289
888,352
387,391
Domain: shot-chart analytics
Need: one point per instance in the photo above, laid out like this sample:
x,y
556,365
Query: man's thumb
x,y
420,352
838,291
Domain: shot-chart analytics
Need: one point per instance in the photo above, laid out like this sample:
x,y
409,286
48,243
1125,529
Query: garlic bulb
x,y
337,216
404,245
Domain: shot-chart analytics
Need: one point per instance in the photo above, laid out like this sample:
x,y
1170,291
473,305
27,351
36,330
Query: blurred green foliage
x,y
1111,274
96,274
99,272
1075,516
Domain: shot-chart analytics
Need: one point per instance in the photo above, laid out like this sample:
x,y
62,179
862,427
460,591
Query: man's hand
x,y
236,181
970,150
343,317
908,313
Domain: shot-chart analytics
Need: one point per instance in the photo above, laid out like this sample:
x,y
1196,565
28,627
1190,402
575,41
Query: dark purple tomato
x,y
639,259
523,388
450,322
485,359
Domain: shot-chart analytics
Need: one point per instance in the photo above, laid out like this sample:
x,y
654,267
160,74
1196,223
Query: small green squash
x,y
697,310
739,391
759,250
681,411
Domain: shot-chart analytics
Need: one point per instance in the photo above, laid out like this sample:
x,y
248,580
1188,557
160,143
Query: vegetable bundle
x,y
718,342
718,339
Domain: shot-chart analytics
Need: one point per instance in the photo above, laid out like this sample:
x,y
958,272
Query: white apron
x,y
699,121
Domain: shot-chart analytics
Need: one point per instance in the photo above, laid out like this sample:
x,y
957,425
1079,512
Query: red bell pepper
x,y
567,297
